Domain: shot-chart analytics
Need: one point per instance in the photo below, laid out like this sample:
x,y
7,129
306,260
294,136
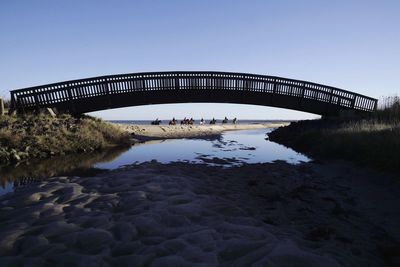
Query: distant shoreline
x,y
142,133
165,122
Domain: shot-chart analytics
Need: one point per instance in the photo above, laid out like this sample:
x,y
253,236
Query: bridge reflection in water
x,y
115,91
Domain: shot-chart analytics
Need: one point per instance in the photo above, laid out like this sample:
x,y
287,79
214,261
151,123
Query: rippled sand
x,y
179,214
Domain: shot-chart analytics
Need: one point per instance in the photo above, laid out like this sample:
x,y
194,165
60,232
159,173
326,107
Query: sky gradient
x,y
353,45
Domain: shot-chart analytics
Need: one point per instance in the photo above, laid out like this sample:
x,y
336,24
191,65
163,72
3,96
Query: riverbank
x,y
156,132
370,140
182,214
366,142
43,136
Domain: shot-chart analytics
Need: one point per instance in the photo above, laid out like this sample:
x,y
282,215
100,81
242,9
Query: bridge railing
x,y
51,94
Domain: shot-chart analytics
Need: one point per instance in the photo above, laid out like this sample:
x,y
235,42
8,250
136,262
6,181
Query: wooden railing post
x,y
106,86
107,89
37,104
273,91
70,99
12,104
177,82
245,84
353,101
303,91
1,107
143,84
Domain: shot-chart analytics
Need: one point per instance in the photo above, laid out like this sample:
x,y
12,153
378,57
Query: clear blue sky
x,y
352,45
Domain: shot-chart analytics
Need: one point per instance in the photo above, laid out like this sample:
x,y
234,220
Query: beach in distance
x,y
143,132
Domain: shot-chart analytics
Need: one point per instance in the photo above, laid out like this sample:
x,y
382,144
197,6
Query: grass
x,y
370,140
42,136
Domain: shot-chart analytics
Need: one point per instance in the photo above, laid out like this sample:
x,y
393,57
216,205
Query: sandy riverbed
x,y
148,132
180,214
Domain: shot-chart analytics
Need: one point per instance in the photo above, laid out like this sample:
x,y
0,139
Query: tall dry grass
x,y
388,110
372,140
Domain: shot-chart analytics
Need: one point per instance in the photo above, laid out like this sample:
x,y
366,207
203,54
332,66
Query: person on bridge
x,y
201,121
234,121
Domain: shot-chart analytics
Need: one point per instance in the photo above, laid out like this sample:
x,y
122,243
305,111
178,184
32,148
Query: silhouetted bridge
x,y
115,91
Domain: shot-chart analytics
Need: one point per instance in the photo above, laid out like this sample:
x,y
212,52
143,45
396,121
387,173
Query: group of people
x,y
185,121
191,121
225,120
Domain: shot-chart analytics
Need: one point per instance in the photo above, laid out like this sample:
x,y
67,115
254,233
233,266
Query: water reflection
x,y
63,165
229,149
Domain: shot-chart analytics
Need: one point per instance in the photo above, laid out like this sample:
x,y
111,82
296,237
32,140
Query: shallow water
x,y
230,149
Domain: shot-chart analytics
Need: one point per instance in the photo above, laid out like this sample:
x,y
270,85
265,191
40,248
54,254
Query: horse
x,y
156,122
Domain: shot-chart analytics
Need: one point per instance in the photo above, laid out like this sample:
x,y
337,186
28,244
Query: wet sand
x,y
179,214
152,132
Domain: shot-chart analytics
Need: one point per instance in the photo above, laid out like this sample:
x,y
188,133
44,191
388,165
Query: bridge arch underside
x,y
129,99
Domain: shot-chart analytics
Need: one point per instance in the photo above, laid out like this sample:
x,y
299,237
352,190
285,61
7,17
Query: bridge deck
x,y
98,93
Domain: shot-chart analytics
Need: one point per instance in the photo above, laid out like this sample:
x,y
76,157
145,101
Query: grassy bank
x,y
372,140
42,136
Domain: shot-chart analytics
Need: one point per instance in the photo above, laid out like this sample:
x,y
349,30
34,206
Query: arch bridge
x,y
123,90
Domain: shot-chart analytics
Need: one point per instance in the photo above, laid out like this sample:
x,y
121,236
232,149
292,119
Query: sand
x,y
152,132
179,214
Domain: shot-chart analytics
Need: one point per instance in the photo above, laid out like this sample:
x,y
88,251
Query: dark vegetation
x,y
370,140
43,136
68,165
7,103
